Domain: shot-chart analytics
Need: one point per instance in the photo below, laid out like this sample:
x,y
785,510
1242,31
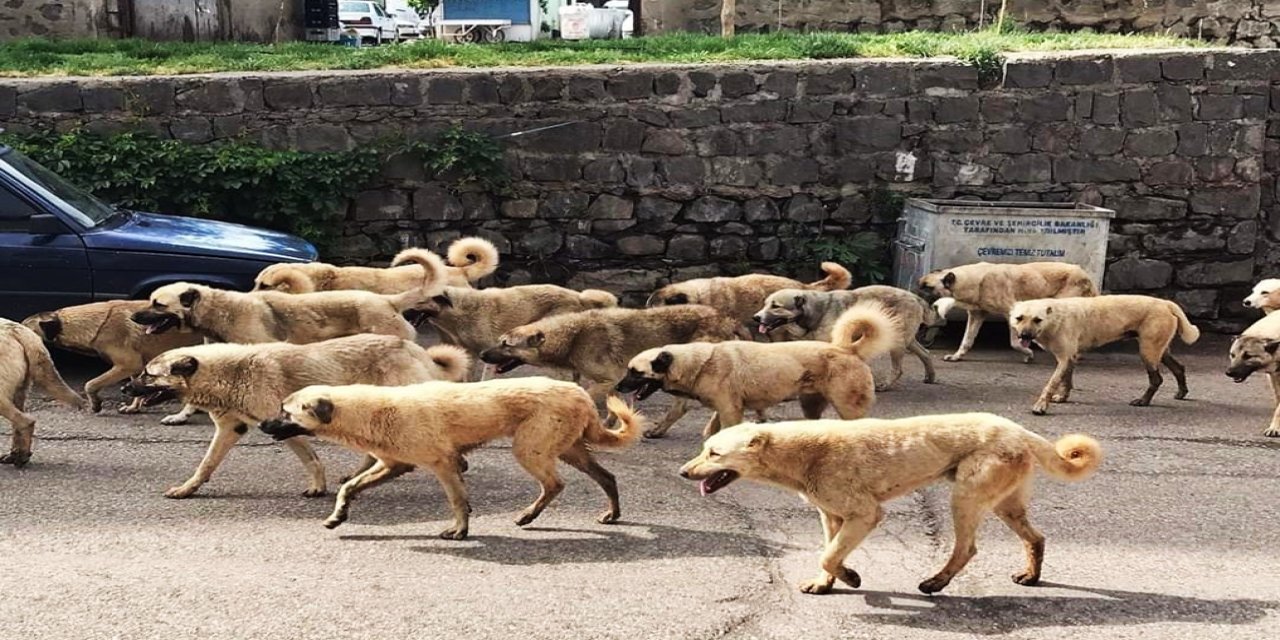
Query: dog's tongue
x,y
702,486
1026,344
762,328
486,372
151,329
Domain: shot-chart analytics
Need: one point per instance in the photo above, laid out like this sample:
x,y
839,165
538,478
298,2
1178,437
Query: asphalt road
x,y
1177,536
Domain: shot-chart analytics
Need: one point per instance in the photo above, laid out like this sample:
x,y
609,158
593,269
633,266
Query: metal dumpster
x,y
936,234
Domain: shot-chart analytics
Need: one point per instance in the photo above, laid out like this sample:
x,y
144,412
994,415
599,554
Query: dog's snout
x,y
1026,335
758,317
1248,302
684,473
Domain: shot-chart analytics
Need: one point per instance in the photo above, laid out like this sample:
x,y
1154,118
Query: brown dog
x,y
1256,350
732,376
432,425
740,297
104,329
848,469
243,384
1067,326
470,259
987,288
23,360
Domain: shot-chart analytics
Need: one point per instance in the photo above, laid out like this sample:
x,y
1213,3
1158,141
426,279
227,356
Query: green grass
x,y
33,57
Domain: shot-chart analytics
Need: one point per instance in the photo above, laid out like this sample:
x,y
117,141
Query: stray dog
x,y
271,316
811,315
598,344
470,259
740,297
987,288
23,359
848,469
1067,326
104,329
731,376
432,425
1255,350
241,385
1265,296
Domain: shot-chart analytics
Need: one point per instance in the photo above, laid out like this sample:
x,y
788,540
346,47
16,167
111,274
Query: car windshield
x,y
86,209
355,7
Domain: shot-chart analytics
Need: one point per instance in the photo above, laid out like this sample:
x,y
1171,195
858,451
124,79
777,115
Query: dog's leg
x,y
679,407
24,429
823,583
579,457
366,463
1151,360
976,318
918,350
712,426
1028,356
311,463
966,514
1179,373
180,417
227,433
895,369
450,478
94,387
1013,512
375,475
726,416
1063,392
532,456
812,406
852,530
1273,430
1041,406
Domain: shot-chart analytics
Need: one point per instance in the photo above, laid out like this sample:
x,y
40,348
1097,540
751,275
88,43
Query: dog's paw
x,y
1027,579
884,386
126,408
1058,398
526,518
609,517
933,585
314,493
1181,394
1140,402
454,533
95,405
1272,432
332,522
18,459
1040,408
180,492
654,434
817,586
952,358
1029,358
849,577
173,420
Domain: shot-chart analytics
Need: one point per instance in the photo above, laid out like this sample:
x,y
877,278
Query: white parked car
x,y
368,20
409,25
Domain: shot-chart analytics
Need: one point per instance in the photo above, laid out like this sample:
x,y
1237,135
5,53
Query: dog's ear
x,y
52,328
442,300
798,302
1271,346
948,280
323,410
662,363
758,441
536,340
679,298
189,297
185,367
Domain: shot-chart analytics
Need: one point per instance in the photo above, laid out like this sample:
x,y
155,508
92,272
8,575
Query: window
x,y
14,211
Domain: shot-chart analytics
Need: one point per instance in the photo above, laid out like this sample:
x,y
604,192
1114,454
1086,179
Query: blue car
x,y
61,246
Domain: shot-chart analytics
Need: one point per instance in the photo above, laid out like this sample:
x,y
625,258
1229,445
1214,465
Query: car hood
x,y
157,233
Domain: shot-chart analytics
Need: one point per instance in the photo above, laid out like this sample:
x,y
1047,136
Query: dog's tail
x,y
453,360
476,257
40,366
1084,285
289,280
433,277
1187,331
597,299
632,425
1073,457
867,329
837,277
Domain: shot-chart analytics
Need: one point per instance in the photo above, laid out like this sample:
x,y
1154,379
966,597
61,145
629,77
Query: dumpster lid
x,y
1009,208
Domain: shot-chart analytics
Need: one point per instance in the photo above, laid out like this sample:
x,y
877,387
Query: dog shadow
x,y
622,542
998,615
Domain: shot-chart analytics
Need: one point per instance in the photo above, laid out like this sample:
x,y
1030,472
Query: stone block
x,y
666,84
811,111
564,204
683,170
630,85
761,210
833,81
1170,172
1009,140
1241,202
695,118
712,209
1137,69
605,170
584,88
541,242
702,83
1032,167
869,133
445,90
1095,170
1147,208
1175,103
610,207
1198,303
1219,107
782,84
998,108
1183,67
728,248
483,89
1193,140
1202,274
737,84
1243,238
553,169
586,248
101,99
350,92
1184,241
544,88
382,204
768,111
656,209
321,138
735,172
1077,71
687,248
623,135
1151,142
1106,109
51,98
434,202
1100,141
1139,108
285,96
794,171
804,208
191,130
642,245
1137,274
666,142
951,110
1046,107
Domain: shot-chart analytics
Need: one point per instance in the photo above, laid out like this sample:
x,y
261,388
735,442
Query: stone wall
x,y
187,20
1243,22
674,172
51,18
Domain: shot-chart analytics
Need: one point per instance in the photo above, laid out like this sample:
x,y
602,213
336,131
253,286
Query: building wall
x,y
678,171
187,20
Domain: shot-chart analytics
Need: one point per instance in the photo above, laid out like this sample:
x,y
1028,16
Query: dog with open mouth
x,y
847,469
1255,350
597,345
1066,327
432,425
240,385
24,360
731,377
470,260
812,315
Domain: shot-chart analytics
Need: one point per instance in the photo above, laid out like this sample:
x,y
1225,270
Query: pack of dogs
x,y
331,352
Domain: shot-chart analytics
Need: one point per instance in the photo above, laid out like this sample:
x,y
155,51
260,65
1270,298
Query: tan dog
x,y
987,288
23,360
1265,296
811,315
1255,350
848,469
104,329
1066,327
598,344
470,259
476,318
241,385
740,297
432,425
732,376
